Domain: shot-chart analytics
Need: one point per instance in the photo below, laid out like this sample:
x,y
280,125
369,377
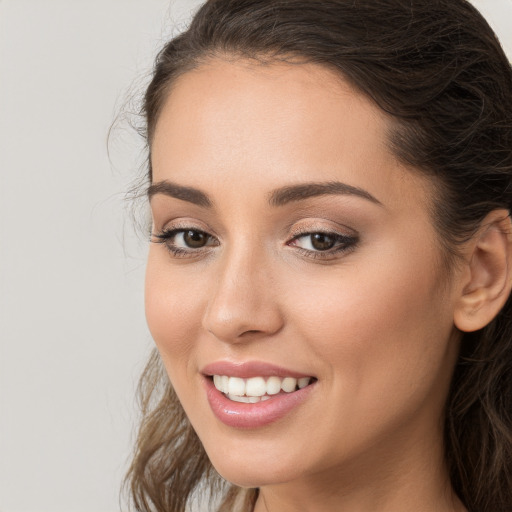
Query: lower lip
x,y
246,416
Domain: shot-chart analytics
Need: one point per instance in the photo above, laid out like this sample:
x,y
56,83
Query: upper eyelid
x,y
343,231
185,225
300,224
307,232
293,233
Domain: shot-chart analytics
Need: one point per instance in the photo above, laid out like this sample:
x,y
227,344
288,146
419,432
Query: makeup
x,y
254,394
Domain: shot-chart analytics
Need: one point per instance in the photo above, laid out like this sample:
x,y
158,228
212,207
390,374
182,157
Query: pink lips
x,y
249,369
244,415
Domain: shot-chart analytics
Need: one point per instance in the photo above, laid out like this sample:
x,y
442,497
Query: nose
x,y
244,302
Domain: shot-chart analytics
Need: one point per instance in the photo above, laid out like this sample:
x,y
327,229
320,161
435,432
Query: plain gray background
x,y
72,332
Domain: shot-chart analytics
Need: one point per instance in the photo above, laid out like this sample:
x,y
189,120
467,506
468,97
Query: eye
x,y
323,244
191,239
318,241
182,242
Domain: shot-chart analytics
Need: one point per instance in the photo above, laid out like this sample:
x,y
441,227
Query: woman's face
x,y
291,244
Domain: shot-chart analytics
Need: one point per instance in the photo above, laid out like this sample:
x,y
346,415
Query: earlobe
x,y
487,274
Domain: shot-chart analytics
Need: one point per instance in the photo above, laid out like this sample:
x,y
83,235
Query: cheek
x,y
173,305
381,343
382,324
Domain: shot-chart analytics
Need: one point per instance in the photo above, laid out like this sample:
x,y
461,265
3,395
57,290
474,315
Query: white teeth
x,y
224,384
273,385
289,384
255,386
247,399
257,389
236,386
237,398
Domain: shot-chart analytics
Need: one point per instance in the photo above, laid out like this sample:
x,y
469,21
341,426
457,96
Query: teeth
x,y
225,383
273,385
236,386
257,389
289,384
248,399
217,381
302,383
255,386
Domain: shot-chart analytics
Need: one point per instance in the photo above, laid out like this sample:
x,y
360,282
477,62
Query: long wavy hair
x,y
436,68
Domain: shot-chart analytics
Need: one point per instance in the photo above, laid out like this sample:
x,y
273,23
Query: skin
x,y
373,323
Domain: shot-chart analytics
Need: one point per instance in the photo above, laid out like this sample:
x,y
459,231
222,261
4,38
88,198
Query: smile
x,y
254,394
257,389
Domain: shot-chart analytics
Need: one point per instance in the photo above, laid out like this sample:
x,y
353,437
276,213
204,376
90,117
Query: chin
x,y
249,477
244,469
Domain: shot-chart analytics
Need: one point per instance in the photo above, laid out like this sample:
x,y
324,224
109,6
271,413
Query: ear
x,y
487,273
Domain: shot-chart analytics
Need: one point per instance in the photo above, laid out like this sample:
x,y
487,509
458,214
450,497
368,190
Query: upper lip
x,y
248,369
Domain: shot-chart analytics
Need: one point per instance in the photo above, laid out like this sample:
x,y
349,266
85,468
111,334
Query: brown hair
x,y
436,67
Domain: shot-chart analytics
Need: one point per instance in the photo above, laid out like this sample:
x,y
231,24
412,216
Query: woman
x,y
328,284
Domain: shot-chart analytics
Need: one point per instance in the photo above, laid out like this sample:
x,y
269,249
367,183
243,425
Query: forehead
x,y
266,125
280,101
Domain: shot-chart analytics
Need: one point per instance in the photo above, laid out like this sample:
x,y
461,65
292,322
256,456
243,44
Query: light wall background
x,y
72,332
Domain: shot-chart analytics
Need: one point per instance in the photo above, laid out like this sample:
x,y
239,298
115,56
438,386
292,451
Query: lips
x,y
254,394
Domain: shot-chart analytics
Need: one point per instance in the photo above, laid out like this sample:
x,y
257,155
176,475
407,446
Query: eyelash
x,y
342,243
166,237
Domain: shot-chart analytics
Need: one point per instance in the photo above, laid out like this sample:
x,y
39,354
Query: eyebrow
x,y
189,194
278,197
288,194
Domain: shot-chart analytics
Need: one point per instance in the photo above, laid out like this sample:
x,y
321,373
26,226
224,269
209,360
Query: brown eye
x,y
322,241
324,244
182,243
195,239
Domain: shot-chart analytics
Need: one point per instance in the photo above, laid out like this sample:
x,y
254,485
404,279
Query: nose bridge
x,y
243,300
